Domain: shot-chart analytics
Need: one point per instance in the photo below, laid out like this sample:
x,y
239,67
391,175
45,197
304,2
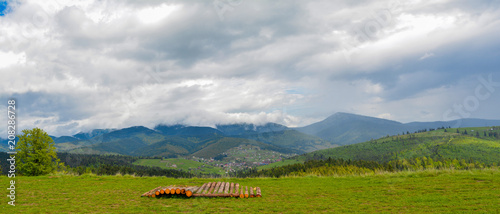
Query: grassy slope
x,y
427,191
292,139
124,141
280,163
183,164
447,144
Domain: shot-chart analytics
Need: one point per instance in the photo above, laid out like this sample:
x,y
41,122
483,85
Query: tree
x,y
36,152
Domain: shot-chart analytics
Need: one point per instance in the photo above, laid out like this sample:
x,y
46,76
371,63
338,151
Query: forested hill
x,y
463,148
478,143
179,140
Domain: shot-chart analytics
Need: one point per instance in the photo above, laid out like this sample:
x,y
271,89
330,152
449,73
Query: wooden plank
x,y
196,189
221,188
231,191
226,188
217,186
207,188
211,195
212,187
201,188
237,190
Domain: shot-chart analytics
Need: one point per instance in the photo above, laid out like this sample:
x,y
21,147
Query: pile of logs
x,y
212,189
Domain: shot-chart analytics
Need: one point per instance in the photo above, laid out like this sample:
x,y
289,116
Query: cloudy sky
x,y
80,65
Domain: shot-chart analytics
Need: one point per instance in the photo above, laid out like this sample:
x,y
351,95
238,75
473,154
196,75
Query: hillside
x,y
292,139
218,146
172,146
179,140
205,146
480,144
344,128
186,165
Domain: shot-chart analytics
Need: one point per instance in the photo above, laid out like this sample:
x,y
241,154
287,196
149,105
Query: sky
x,y
75,66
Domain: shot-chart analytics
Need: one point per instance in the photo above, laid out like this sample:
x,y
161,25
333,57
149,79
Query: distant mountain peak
x,y
351,116
347,128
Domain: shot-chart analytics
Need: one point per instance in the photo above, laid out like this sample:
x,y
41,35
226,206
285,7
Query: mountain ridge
x,y
338,129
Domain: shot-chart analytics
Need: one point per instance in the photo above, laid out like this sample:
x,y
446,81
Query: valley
x,y
226,149
401,172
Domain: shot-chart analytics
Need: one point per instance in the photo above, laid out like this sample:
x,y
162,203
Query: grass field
x,y
424,191
280,163
181,163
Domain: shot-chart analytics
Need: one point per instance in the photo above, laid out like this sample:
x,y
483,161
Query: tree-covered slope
x,y
221,145
480,144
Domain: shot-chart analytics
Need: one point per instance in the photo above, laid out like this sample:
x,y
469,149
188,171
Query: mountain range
x,y
180,140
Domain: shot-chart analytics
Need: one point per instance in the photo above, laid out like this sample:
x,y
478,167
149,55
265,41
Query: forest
x,y
342,167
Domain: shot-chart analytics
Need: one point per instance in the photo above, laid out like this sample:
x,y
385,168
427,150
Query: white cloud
x,y
10,58
151,15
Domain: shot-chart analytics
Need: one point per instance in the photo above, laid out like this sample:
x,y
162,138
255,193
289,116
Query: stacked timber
x,y
212,189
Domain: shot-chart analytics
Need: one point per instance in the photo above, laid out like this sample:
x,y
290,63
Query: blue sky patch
x,y
4,8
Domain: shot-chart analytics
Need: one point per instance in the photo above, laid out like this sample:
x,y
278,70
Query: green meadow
x,y
429,191
181,164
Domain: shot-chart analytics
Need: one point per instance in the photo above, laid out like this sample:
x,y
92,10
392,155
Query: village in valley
x,y
237,158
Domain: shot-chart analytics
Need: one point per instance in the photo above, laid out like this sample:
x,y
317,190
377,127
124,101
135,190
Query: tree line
x,y
103,165
341,167
114,164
